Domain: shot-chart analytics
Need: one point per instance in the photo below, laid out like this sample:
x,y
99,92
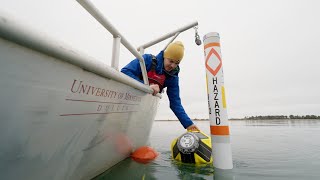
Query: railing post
x,y
141,51
143,68
115,53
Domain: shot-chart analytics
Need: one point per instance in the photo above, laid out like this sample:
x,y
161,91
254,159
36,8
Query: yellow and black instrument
x,y
192,147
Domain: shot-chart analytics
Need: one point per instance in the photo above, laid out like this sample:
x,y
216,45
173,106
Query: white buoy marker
x,y
219,125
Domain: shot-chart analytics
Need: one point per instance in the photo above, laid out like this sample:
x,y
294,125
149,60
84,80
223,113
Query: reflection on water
x,y
128,169
192,171
162,168
262,149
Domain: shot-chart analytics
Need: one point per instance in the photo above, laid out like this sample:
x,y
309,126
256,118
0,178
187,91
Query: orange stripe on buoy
x,y
211,44
219,130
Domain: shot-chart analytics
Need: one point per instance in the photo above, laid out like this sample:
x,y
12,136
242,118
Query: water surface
x,y
262,149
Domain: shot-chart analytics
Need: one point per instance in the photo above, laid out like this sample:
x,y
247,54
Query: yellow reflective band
x,y
224,104
207,84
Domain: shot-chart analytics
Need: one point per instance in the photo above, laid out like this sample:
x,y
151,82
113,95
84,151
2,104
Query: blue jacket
x,y
171,83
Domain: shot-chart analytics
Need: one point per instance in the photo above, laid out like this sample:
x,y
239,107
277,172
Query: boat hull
x,y
61,121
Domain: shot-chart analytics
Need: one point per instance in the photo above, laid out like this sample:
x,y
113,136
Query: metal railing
x,y
118,38
173,34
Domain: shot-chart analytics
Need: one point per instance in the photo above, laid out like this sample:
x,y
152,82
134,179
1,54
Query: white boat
x,y
63,114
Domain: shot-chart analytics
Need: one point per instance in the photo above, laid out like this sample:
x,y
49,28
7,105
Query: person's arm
x,y
133,68
173,93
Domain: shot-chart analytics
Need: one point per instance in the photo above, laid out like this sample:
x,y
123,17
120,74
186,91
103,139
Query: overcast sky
x,y
270,48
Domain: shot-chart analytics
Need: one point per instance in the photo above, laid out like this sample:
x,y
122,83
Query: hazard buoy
x,y
144,154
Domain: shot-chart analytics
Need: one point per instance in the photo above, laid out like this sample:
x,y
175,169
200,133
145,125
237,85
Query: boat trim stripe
x,y
80,114
98,101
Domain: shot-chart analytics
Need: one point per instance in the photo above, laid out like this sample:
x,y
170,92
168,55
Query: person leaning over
x,y
163,71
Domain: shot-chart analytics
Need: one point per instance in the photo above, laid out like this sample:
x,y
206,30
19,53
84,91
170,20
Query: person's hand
x,y
193,128
155,88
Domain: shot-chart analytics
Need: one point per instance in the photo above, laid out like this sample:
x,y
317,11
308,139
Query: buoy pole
x,y
219,125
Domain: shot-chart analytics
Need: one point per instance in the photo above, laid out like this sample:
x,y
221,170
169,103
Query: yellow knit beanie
x,y
174,51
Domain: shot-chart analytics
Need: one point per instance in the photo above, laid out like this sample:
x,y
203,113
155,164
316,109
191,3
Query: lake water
x,y
262,149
